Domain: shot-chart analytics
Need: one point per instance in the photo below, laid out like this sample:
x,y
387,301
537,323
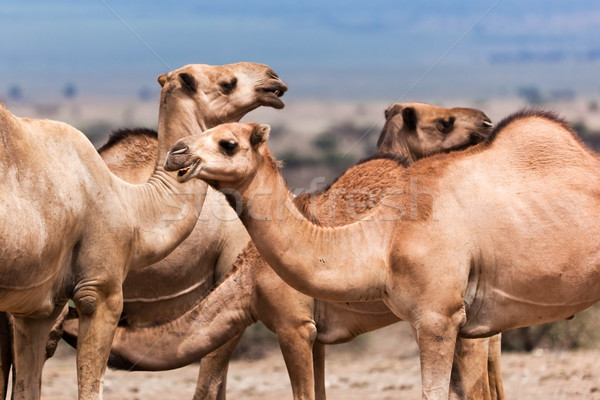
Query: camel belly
x,y
510,303
342,322
33,264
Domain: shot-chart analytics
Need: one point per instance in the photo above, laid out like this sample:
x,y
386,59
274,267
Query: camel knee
x,y
442,324
88,299
86,304
305,331
309,331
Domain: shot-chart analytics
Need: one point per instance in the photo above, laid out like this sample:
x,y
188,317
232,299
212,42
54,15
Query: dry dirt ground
x,y
379,365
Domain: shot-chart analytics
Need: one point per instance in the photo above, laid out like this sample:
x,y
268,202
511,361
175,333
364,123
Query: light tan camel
x,y
504,235
58,183
293,316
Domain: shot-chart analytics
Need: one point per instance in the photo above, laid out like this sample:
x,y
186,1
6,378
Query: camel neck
x,y
164,214
176,120
220,316
323,262
165,210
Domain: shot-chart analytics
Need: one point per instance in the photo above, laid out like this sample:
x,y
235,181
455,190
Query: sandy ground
x,y
380,365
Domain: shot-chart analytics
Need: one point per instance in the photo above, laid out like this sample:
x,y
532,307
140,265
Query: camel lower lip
x,y
185,174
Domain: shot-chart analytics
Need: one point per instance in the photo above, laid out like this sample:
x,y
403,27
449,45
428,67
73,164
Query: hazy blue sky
x,y
360,49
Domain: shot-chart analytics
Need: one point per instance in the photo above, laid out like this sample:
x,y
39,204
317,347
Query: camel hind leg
x,y
469,377
494,370
5,352
319,370
477,370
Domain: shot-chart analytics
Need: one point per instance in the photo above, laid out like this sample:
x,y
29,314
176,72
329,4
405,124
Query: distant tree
x,y
70,91
146,94
15,93
325,142
531,94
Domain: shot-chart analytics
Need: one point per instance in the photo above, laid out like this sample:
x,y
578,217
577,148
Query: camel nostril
x,y
178,148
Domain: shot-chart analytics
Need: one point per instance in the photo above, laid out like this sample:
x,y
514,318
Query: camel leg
x,y
30,343
469,377
297,348
99,309
5,352
319,370
212,378
494,370
436,338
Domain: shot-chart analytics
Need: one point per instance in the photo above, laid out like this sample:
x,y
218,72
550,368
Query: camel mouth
x,y
186,173
271,94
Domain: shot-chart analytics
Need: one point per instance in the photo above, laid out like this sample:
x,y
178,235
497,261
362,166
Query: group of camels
x,y
458,245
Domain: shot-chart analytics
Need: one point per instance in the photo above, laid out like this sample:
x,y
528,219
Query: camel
x,y
55,181
131,155
264,296
503,235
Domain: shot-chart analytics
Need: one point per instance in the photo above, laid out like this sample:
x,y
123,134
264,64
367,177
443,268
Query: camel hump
x,y
529,113
121,135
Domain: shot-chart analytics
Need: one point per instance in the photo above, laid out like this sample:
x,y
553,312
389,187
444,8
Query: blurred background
x,y
94,65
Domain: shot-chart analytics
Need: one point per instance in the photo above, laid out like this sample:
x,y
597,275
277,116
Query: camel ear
x,y
392,110
260,134
162,79
410,118
188,81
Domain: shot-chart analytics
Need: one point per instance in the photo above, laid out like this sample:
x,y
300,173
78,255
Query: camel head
x,y
224,156
419,130
215,94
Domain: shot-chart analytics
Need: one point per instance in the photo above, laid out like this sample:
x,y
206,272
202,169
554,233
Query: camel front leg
x,y
30,342
99,310
212,377
297,349
436,335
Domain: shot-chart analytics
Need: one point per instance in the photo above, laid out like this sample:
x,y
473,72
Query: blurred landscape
x,y
317,139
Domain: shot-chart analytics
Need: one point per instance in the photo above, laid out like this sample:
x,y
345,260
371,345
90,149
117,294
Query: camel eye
x,y
446,125
228,86
228,146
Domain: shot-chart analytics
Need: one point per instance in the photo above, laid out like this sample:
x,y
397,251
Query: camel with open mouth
x,y
55,182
